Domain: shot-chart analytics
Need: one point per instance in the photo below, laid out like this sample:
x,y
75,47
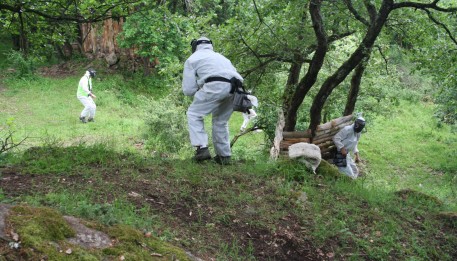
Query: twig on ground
x,y
246,131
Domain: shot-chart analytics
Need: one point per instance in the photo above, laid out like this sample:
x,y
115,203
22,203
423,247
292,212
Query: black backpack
x,y
241,101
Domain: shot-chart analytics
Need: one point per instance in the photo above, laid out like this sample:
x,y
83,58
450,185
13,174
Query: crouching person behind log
x,y
346,141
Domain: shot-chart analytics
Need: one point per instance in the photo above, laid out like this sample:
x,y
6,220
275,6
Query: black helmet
x,y
91,72
359,124
201,40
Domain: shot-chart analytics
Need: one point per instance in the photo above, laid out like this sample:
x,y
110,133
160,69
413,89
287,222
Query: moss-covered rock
x,y
133,245
36,225
44,234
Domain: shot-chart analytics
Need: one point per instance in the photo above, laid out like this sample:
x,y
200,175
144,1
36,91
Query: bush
x,y
166,126
24,66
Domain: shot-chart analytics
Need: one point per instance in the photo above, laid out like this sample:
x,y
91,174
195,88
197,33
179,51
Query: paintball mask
x,y
359,124
91,73
202,40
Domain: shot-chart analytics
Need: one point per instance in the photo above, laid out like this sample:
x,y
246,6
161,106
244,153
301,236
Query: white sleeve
x,y
356,150
189,81
338,139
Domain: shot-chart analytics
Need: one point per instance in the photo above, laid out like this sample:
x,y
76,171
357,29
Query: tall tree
x,y
303,37
378,18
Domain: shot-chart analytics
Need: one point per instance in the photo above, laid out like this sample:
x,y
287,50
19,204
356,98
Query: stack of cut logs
x,y
322,138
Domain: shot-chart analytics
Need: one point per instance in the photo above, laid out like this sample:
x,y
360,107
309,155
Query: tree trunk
x,y
355,86
292,81
314,67
146,66
15,39
364,49
22,36
99,39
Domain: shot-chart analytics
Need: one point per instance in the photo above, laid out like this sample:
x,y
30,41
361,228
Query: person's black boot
x,y
91,120
223,160
202,154
82,119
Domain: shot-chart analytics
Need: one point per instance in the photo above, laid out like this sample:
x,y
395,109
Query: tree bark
x,y
314,67
292,81
22,36
355,86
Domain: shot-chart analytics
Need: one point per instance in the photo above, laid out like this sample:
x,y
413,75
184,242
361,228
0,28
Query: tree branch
x,y
235,138
64,16
426,8
441,24
371,9
355,13
258,67
269,28
383,57
8,143
432,5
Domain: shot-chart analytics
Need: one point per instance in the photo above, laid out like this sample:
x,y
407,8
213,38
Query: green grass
x,y
90,171
46,112
409,150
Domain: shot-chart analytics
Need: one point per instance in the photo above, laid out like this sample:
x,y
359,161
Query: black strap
x,y
217,79
236,84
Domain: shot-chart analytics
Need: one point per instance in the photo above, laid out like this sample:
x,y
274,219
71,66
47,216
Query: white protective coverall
x,y
348,139
209,98
83,94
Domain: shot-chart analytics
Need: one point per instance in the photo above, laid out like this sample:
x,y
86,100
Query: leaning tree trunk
x,y
355,86
364,49
314,67
292,81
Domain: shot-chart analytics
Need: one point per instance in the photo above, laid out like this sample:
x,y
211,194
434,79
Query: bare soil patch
x,y
60,70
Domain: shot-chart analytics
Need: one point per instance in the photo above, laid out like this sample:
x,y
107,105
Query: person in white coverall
x,y
86,97
206,77
346,141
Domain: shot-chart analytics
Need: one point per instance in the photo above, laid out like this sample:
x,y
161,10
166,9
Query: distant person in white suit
x,y
86,97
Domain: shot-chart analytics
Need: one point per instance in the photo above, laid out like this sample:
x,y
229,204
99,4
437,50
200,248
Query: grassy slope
x,y
410,177
408,150
365,218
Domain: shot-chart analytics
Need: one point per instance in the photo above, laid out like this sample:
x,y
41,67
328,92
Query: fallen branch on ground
x,y
246,131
